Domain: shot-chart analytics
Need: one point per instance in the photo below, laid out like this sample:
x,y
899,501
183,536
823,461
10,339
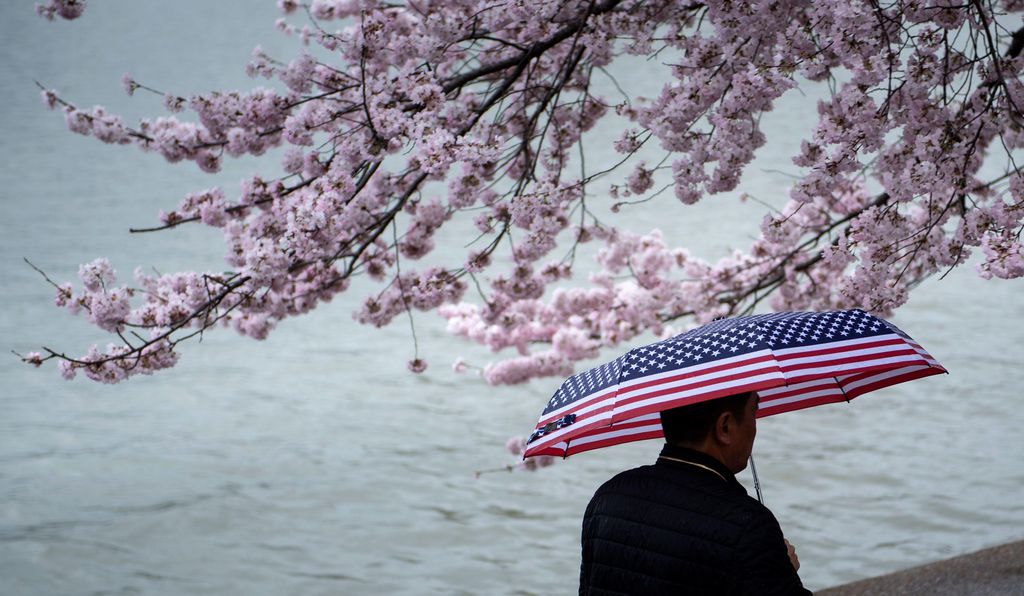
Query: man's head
x,y
724,428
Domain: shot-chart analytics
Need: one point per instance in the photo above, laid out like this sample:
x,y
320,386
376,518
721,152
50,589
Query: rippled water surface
x,y
314,464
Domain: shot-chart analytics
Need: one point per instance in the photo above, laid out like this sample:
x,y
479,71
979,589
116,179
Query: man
x,y
685,525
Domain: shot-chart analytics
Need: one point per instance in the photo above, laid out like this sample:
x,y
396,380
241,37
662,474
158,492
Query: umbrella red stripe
x,y
627,427
822,393
883,381
578,431
928,357
785,391
690,373
854,381
593,410
905,353
634,422
651,404
576,406
573,449
839,347
613,438
697,383
597,419
801,404
827,388
840,368
633,430
550,451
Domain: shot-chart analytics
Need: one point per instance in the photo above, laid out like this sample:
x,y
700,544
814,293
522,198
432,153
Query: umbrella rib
x,y
840,385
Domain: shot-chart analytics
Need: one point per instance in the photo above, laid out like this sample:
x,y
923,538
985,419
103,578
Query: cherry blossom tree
x,y
432,111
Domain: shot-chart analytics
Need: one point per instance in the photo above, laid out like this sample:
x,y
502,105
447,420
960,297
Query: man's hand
x,y
792,555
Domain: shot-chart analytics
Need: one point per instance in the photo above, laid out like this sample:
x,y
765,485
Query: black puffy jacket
x,y
682,528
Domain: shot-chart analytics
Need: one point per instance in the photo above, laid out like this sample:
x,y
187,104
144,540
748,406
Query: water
x,y
314,464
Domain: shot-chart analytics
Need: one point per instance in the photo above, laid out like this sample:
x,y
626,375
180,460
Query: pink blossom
x,y
67,369
535,463
96,275
326,10
515,445
65,9
49,98
77,121
128,84
299,73
1004,257
64,295
173,103
640,181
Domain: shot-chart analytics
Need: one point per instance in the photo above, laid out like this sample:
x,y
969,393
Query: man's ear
x,y
724,426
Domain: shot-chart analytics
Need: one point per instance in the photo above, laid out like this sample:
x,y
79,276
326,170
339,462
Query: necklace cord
x,y
690,463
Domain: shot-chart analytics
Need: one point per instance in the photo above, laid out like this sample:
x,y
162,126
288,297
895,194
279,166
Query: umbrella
x,y
792,360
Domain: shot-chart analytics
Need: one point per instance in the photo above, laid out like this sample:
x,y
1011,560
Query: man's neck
x,y
689,453
707,448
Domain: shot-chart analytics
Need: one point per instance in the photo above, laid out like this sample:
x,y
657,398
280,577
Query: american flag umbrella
x,y
793,360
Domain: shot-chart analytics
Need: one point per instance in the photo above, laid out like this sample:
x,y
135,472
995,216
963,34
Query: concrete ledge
x,y
992,571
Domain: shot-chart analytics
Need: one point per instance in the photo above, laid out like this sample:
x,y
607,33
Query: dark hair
x,y
690,424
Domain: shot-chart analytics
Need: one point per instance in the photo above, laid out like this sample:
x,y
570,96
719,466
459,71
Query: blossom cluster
x,y
65,9
422,114
517,445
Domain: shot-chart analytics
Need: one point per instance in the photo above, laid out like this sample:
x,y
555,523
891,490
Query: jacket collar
x,y
673,455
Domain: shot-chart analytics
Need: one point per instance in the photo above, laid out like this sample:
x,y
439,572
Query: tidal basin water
x,y
313,463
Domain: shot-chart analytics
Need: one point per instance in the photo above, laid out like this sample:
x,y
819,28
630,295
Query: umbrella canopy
x,y
792,360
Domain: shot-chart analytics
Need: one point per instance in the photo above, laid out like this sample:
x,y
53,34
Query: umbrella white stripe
x,y
630,390
782,401
696,370
684,390
554,436
614,433
642,418
839,344
645,417
805,385
928,358
580,406
852,367
924,354
561,446
602,433
702,390
884,375
852,353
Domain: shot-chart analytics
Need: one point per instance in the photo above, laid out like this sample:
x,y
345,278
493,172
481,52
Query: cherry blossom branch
x,y
430,113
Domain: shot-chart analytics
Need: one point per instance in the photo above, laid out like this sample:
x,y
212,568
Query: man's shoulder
x,y
632,478
671,487
633,473
637,483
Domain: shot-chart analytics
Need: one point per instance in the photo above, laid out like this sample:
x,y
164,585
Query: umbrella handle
x,y
757,483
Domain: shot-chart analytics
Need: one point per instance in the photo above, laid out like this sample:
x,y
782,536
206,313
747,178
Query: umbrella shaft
x,y
757,483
